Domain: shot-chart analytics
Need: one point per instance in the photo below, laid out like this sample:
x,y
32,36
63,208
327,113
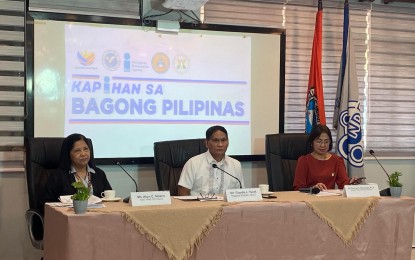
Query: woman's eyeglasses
x,y
321,142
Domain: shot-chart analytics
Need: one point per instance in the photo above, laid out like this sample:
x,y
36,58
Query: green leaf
x,y
394,179
82,192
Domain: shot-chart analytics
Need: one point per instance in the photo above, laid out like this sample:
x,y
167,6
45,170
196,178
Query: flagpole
x,y
342,65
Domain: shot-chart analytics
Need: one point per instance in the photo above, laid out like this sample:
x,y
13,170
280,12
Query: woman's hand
x,y
321,186
356,180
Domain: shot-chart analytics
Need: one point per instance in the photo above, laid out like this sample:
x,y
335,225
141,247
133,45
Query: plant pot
x,y
396,191
79,206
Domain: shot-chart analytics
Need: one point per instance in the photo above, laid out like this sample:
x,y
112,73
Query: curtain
x,y
12,82
390,107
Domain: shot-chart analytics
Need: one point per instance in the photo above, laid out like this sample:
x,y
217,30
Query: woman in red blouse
x,y
320,168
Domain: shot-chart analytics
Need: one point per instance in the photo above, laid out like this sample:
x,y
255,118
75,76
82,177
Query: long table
x,y
251,230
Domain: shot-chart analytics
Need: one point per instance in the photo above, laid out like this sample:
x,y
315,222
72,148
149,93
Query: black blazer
x,y
59,183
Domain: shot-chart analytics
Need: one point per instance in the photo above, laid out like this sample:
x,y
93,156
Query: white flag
x,y
349,130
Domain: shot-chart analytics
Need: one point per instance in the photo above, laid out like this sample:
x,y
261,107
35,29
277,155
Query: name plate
x,y
361,191
150,198
238,195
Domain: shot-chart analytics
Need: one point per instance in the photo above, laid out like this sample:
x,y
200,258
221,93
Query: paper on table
x,y
198,198
67,201
185,197
325,193
94,200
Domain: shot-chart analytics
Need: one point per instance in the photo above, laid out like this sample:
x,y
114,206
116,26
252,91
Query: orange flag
x,y
315,113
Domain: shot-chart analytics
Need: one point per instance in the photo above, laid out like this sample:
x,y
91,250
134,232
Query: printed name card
x,y
238,195
361,191
150,198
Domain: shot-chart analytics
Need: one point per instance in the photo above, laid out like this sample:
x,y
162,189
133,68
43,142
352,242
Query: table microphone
x,y
127,199
216,167
312,190
385,192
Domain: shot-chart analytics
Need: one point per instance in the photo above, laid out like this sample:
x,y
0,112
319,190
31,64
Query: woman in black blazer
x,y
76,164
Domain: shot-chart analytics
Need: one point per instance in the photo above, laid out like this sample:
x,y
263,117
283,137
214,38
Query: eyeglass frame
x,y
209,196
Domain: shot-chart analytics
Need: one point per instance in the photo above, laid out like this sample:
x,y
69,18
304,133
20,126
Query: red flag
x,y
315,113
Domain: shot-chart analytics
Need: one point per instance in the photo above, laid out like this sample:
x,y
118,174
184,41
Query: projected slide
x,y
118,76
126,87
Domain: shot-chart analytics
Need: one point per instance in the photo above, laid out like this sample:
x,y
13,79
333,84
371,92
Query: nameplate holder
x,y
150,198
361,191
239,195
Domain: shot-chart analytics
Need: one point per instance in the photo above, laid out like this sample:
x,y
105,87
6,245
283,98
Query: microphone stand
x,y
373,154
216,167
384,192
127,199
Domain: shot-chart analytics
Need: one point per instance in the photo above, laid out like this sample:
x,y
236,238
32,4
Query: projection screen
x,y
126,87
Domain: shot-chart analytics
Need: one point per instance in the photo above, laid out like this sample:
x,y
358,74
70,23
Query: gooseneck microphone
x,y
373,154
216,167
127,199
385,192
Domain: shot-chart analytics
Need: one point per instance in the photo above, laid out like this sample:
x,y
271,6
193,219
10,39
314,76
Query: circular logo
x,y
111,60
160,62
181,64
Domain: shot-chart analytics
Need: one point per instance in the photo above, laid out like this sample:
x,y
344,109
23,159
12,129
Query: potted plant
x,y
80,198
394,184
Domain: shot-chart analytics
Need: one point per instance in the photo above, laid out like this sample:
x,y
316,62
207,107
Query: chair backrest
x,y
281,153
169,159
42,156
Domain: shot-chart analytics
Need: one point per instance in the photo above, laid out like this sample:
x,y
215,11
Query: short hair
x,y
316,132
67,145
213,129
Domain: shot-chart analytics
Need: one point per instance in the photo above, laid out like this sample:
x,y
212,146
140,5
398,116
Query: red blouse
x,y
311,171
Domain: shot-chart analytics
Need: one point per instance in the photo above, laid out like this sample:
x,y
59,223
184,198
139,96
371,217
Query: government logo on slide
x,y
181,64
160,62
86,58
111,60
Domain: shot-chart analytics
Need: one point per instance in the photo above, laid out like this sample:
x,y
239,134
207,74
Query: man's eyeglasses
x,y
208,196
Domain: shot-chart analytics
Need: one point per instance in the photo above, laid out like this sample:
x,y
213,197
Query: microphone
x,y
127,199
385,192
216,167
310,190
